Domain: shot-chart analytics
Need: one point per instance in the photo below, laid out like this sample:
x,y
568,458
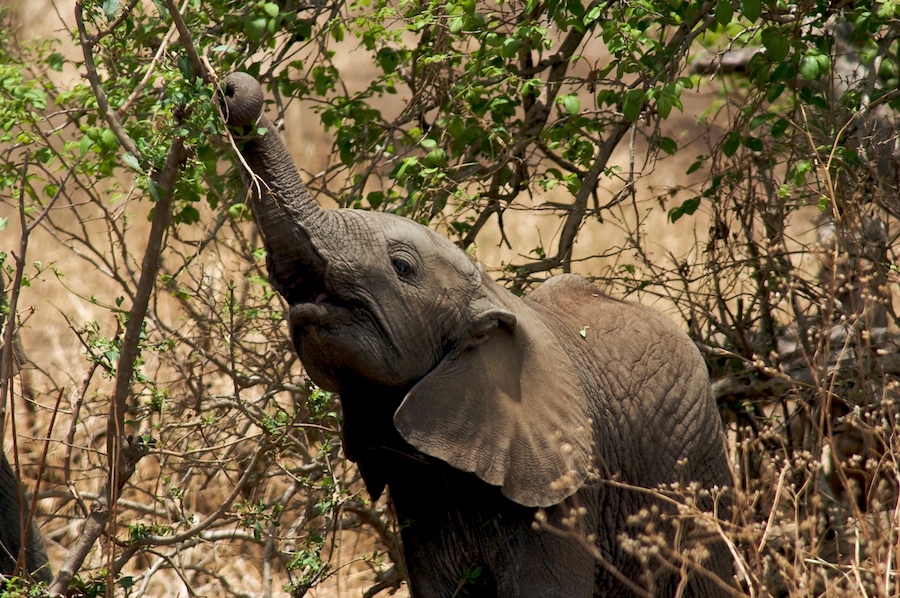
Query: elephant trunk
x,y
290,219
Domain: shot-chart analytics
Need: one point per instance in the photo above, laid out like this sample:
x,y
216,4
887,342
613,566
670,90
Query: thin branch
x,y
163,46
9,331
185,36
115,125
112,26
26,529
249,472
162,216
95,524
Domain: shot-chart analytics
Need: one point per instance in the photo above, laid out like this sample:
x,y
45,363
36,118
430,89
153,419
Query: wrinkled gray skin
x,y
475,407
11,530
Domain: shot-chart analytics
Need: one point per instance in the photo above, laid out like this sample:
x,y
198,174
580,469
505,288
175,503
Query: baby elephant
x,y
517,437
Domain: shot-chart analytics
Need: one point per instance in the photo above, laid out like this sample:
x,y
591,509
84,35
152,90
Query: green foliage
x,y
19,587
143,531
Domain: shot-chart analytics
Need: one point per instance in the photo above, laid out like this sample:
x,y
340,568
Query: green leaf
x,y
3,223
776,44
271,9
697,165
44,155
751,9
731,144
594,14
375,199
388,60
754,144
154,189
237,210
633,104
255,28
774,92
570,104
85,145
131,161
809,67
186,68
760,119
668,145
110,8
779,127
723,12
510,47
436,158
456,127
56,61
664,105
687,208
189,215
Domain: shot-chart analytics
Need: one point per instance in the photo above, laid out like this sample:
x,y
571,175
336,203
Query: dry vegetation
x,y
786,276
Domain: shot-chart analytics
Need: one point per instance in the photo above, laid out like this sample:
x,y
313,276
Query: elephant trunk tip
x,y
242,99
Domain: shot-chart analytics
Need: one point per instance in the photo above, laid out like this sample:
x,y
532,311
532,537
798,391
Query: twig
x,y
130,350
26,529
115,125
226,504
95,524
185,36
9,331
112,26
163,46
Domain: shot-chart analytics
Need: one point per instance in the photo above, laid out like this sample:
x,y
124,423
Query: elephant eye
x,y
401,266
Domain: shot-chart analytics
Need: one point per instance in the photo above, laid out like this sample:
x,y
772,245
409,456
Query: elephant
x,y
11,530
517,437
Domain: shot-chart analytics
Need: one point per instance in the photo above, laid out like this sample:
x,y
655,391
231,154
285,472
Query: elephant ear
x,y
508,406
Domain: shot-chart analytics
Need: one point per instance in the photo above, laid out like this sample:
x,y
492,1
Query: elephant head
x,y
385,309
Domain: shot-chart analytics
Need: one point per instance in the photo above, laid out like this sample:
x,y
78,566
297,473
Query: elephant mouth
x,y
313,304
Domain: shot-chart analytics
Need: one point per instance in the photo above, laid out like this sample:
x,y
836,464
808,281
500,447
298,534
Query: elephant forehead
x,y
429,244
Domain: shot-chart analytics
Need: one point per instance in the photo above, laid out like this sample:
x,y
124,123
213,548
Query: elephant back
x,y
647,384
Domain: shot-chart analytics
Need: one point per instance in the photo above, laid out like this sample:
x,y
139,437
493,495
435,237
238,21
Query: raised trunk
x,y
290,219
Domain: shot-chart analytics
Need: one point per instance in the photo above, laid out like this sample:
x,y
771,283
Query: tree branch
x,y
185,36
124,453
115,125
